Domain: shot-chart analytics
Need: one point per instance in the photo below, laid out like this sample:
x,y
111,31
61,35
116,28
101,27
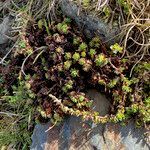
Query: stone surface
x,y
73,134
4,30
39,137
88,24
5,43
125,137
100,102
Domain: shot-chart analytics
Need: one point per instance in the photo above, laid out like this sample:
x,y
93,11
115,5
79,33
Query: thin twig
x,y
8,114
22,67
51,126
136,63
3,59
37,56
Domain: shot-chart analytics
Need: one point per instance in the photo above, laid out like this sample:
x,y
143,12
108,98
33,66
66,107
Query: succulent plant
x,y
67,55
77,40
22,44
86,3
74,73
101,60
113,83
126,85
67,20
63,28
57,38
116,48
76,56
83,46
59,50
120,115
95,42
82,61
68,85
57,117
65,68
92,52
74,99
67,64
87,66
79,99
60,67
83,54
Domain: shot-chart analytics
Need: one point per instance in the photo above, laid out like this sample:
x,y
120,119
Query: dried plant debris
x,y
57,65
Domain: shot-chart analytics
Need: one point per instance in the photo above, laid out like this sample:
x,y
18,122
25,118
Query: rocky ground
x,y
72,134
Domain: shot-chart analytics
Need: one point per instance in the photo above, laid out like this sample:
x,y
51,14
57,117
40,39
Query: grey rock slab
x,y
117,137
90,25
39,137
100,102
4,30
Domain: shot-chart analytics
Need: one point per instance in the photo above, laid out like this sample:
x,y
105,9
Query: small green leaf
x,y
76,56
116,48
40,24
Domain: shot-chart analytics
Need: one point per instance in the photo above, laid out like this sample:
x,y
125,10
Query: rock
x,y
39,137
5,43
90,25
43,139
117,137
100,102
4,30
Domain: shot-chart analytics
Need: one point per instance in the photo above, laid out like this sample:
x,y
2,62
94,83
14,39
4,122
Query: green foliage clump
x,y
113,83
83,54
63,27
82,61
107,11
83,46
68,85
74,73
80,99
101,60
15,128
76,40
116,48
92,52
76,56
67,64
22,44
95,42
67,56
126,85
86,3
101,82
58,79
56,118
120,116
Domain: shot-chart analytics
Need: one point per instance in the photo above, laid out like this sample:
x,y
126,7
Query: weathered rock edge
x,y
90,25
